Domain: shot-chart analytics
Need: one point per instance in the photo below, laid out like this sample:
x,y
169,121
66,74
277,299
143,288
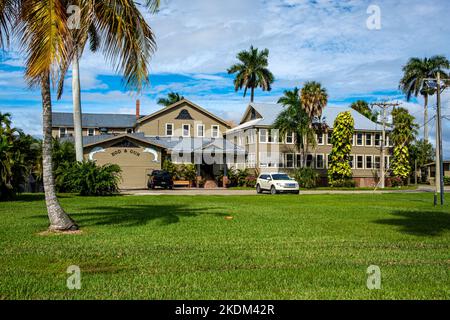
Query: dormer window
x,y
62,132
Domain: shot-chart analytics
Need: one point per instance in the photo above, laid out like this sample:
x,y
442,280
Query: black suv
x,y
160,178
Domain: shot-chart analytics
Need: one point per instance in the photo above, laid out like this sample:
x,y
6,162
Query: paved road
x,y
227,192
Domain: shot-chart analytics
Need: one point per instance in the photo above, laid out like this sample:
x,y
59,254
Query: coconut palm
x,y
252,71
48,43
294,119
413,84
172,97
314,99
93,27
363,108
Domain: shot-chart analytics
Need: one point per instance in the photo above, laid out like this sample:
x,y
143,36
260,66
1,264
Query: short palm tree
x,y
314,99
172,97
294,119
43,30
413,84
252,71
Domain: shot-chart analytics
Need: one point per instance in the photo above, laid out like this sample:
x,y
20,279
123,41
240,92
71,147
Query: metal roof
x,y
270,112
94,120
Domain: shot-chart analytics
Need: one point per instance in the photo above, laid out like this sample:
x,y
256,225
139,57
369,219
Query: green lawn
x,y
276,247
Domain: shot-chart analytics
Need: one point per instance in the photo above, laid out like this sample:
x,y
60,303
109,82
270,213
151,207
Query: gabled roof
x,y
177,104
107,138
270,112
94,120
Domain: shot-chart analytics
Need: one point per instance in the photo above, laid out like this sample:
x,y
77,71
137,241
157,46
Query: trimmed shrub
x,y
345,183
88,179
306,178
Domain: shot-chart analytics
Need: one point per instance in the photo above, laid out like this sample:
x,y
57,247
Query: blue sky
x,y
322,40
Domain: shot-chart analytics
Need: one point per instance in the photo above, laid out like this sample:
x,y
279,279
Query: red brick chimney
x,y
138,109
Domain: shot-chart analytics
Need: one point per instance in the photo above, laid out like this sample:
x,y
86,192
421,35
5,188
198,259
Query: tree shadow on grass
x,y
419,223
135,215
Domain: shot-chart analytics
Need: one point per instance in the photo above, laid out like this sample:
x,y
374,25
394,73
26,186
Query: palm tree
x,y
45,36
252,71
314,99
172,97
294,119
413,84
363,108
94,27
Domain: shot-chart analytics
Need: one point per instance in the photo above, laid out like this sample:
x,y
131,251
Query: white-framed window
x,y
91,132
289,138
309,161
352,140
328,157
351,161
273,136
186,130
250,136
359,162
215,132
377,139
263,136
369,162
169,129
320,161
359,139
290,160
377,162
200,130
62,132
369,139
298,160
329,138
319,137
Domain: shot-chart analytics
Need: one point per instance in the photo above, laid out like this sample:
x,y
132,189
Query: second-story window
x,y
169,129
186,130
359,139
329,137
200,130
263,136
290,138
377,139
215,132
320,139
368,139
62,132
91,132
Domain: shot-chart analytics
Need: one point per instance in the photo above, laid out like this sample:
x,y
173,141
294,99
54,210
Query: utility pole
x,y
440,165
384,106
439,179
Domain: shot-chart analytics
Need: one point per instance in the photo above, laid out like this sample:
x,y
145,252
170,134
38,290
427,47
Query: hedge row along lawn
x,y
188,247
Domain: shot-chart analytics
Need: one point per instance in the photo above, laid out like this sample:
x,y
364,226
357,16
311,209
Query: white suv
x,y
276,183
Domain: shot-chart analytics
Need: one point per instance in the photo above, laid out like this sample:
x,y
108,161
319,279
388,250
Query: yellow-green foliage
x,y
339,168
401,166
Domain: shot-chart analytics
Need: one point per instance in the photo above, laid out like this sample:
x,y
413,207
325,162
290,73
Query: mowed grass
x,y
183,247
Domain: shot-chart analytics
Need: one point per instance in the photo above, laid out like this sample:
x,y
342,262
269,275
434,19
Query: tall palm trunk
x,y
59,220
76,93
425,119
252,98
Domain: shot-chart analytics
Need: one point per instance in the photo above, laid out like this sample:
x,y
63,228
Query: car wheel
x,y
273,190
297,192
258,189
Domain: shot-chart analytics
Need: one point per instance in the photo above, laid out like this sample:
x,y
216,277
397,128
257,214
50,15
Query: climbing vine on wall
x,y
339,169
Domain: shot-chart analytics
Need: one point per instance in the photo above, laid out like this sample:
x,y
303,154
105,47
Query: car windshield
x,y
280,177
